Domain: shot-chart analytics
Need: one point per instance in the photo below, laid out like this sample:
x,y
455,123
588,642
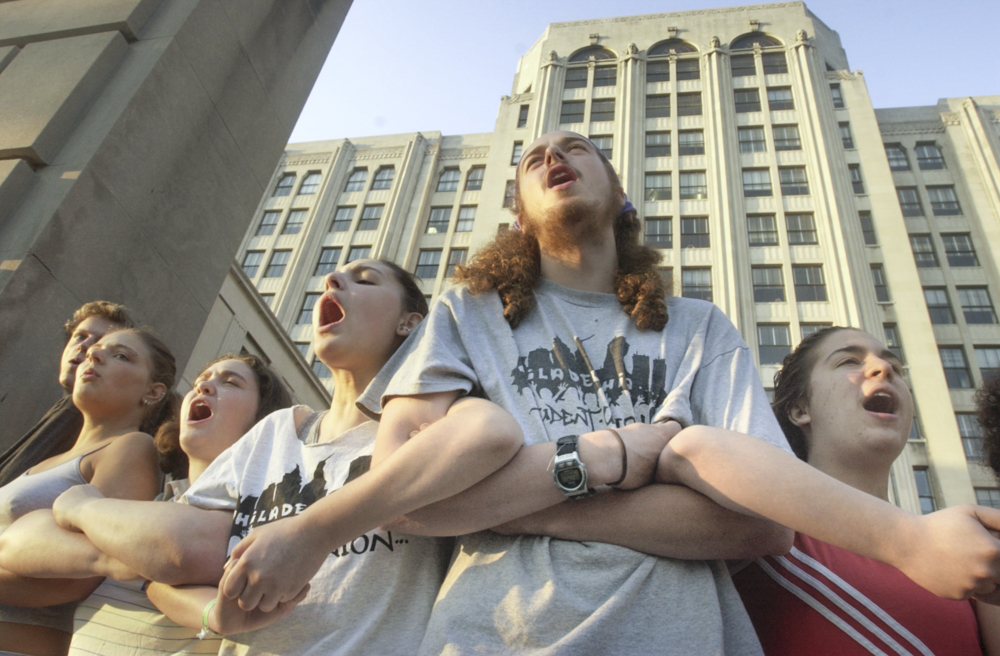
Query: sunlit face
x,y
84,336
219,409
360,320
562,180
115,377
859,405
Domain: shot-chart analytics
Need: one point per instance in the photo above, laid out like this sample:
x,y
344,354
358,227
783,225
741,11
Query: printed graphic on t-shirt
x,y
565,392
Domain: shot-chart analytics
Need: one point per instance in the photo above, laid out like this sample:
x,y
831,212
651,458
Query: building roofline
x,y
690,12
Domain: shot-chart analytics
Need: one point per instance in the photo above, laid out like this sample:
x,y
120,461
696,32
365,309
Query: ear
x,y
154,394
408,323
799,415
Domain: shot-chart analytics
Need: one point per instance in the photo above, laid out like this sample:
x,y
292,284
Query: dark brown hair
x,y
511,264
163,369
413,297
272,395
113,312
988,412
791,387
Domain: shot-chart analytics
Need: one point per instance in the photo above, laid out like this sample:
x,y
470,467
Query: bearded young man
x,y
564,323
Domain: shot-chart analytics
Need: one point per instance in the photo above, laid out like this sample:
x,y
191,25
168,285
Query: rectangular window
x,y
508,193
658,106
806,329
356,180
658,186
909,201
572,112
657,144
466,218
956,369
752,140
602,110
515,155
793,180
342,219
251,262
801,229
576,78
929,155
449,179
774,342
779,98
657,70
972,435
924,492
747,100
456,256
321,370
370,217
774,63
867,228
988,359
428,263
959,250
976,305
474,181
786,137
694,232
768,284
856,182
697,283
328,258
689,104
605,142
694,185
763,229
306,312
988,496
846,138
310,183
279,260
691,142
303,348
938,306
923,251
522,116
605,76
268,223
880,283
659,232
756,182
897,157
358,253
688,69
439,220
809,284
743,65
383,178
944,202
293,225
892,340
285,185
838,97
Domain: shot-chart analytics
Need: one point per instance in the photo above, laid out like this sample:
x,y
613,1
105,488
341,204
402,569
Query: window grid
x,y
605,142
786,137
892,340
909,201
694,232
944,202
474,181
768,284
809,284
329,256
747,100
689,104
691,142
466,218
752,140
602,110
780,98
774,63
658,186
856,182
688,69
306,312
763,229
285,185
358,253
774,342
370,217
508,193
867,228
880,283
293,224
456,256
988,360
972,435
310,183
806,329
276,267
251,263
793,181
846,138
342,219
657,106
897,157
976,305
657,144
268,223
923,481
428,263
515,155
659,232
757,182
988,496
743,65
439,220
605,76
321,370
959,250
801,229
576,77
572,112
697,283
694,185
657,70
837,96
956,368
938,306
929,156
923,251
449,179
522,116
356,181
383,178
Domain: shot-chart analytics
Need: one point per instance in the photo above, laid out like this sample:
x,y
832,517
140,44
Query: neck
x,y
584,264
196,468
344,414
97,429
869,476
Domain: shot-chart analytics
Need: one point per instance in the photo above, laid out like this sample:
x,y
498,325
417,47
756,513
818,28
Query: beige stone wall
x,y
136,137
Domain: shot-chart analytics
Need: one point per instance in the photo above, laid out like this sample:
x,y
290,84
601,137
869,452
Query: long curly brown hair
x,y
512,265
988,413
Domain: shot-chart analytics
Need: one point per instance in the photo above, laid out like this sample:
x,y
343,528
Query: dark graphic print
x,y
565,391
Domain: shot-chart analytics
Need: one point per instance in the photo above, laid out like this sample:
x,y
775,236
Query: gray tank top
x,y
26,493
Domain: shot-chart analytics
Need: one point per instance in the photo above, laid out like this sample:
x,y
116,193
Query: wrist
x,y
895,537
600,451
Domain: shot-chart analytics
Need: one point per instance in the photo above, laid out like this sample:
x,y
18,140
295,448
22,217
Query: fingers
x,y
988,517
234,580
252,596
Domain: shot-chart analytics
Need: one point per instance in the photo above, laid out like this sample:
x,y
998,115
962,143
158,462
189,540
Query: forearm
x,y
182,604
17,590
670,521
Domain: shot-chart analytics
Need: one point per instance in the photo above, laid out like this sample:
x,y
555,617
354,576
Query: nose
x,y
554,155
96,354
878,367
206,386
335,280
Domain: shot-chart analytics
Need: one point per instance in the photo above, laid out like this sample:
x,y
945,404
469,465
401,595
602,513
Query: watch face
x,y
570,478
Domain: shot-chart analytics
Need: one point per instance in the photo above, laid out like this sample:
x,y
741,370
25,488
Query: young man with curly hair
x,y
566,323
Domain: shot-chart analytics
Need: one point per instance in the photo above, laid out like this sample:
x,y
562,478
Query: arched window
x,y
310,183
356,181
663,48
383,178
748,41
605,74
658,64
599,53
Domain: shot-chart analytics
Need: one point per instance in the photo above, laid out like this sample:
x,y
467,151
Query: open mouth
x,y
881,403
330,312
560,175
199,411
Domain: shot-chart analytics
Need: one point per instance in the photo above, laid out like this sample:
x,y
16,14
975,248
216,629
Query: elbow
x,y
501,436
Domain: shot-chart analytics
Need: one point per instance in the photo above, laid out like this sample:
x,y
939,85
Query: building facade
x,y
764,175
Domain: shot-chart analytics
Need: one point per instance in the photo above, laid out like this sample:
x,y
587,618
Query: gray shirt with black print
x,y
540,595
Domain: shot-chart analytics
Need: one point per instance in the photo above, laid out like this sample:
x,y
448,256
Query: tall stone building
x,y
763,173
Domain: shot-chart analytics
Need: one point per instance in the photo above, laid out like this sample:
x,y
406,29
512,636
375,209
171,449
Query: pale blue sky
x,y
405,66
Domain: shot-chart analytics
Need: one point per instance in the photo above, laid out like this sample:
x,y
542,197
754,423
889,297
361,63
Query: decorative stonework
x,y
951,118
465,153
379,153
694,12
311,158
924,127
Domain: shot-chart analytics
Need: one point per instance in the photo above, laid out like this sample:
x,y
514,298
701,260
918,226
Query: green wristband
x,y
205,631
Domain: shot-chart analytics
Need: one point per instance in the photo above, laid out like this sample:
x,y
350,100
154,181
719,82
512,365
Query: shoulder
x,y
301,413
132,444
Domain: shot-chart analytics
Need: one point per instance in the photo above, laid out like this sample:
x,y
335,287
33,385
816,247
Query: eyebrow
x,y
121,346
361,268
561,142
226,373
856,349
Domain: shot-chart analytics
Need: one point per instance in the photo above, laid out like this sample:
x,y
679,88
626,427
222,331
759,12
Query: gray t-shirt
x,y
373,595
542,595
